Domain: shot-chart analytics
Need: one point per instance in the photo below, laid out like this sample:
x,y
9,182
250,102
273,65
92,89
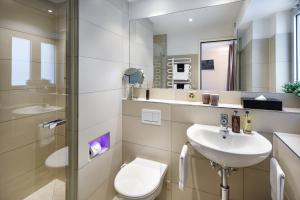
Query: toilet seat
x,y
140,178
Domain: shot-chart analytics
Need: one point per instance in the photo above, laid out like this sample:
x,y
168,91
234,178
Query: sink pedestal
x,y
224,184
224,173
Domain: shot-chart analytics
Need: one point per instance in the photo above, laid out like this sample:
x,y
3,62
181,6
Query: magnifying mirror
x,y
133,77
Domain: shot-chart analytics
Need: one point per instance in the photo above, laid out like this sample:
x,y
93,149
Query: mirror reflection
x,y
240,46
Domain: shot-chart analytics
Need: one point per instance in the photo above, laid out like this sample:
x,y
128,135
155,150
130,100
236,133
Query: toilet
x,y
58,159
140,179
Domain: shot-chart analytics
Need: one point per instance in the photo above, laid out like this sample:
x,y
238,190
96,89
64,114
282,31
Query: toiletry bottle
x,y
235,120
247,123
147,92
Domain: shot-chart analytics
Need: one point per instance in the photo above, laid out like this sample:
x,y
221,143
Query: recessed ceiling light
x,y
190,19
50,11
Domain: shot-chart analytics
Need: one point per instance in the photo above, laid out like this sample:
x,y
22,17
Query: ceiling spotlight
x,y
50,11
190,19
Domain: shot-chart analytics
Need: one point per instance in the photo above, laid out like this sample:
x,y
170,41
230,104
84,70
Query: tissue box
x,y
269,104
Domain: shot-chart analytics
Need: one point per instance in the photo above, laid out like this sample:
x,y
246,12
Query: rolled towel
x,y
277,177
183,167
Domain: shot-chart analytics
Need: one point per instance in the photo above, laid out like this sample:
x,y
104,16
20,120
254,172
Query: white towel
x,y
277,180
183,167
185,75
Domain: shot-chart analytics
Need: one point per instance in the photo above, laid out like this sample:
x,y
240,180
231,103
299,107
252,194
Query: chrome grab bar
x,y
53,123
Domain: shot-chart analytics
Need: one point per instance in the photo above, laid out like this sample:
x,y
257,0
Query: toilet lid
x,y
58,159
139,178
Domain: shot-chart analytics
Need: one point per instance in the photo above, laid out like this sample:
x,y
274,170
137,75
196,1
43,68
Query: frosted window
x,y
20,70
48,62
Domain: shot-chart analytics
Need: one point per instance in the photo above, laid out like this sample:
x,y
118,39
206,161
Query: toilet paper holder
x,y
99,145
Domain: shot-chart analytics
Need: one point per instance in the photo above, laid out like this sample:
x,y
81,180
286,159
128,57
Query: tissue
x,y
261,98
95,149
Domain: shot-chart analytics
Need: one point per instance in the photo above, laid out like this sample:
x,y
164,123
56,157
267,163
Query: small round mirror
x,y
134,76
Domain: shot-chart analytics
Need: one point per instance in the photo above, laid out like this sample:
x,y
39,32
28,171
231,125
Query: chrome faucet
x,y
224,125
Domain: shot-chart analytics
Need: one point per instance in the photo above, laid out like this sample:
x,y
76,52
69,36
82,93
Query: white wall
x,y
267,45
149,8
141,47
215,79
185,43
103,57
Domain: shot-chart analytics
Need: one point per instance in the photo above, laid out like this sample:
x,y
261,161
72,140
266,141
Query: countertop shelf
x,y
292,141
221,105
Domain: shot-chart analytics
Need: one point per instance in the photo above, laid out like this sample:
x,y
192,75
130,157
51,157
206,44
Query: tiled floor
x,y
55,190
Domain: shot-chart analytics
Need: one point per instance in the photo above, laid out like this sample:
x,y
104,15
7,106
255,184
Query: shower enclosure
x,y
34,143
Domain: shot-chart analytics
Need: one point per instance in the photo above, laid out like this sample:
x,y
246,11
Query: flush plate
x,y
151,116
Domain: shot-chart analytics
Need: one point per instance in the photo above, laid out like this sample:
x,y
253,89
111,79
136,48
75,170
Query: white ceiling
x,y
202,18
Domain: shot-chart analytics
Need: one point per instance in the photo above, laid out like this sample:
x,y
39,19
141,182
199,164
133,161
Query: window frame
x,y
296,49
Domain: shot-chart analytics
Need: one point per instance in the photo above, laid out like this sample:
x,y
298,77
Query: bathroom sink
x,y
236,150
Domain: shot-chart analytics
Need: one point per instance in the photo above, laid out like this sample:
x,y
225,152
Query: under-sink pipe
x,y
224,184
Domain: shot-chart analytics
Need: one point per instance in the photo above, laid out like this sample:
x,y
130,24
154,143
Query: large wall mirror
x,y
238,46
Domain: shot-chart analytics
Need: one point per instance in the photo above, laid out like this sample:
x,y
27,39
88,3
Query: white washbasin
x,y
236,150
38,109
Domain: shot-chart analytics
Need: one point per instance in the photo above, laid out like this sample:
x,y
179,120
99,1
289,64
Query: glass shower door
x,y
33,148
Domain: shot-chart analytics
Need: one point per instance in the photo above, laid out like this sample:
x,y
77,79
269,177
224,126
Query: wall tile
x,y
133,108
260,51
179,138
31,156
112,125
92,37
203,177
102,13
145,134
99,75
289,163
106,191
95,108
92,176
5,75
256,184
283,47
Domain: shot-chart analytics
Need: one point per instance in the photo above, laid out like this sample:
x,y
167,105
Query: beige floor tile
x,y
191,194
28,183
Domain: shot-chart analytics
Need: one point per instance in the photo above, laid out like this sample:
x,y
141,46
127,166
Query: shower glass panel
x,y
33,148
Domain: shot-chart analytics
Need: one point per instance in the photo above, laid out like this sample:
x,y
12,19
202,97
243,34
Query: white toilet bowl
x,y
140,179
58,159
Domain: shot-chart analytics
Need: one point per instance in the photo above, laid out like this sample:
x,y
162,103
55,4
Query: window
x,y
48,62
297,46
20,70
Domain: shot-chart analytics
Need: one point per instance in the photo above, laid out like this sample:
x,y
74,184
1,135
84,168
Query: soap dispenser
x,y
247,123
235,120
